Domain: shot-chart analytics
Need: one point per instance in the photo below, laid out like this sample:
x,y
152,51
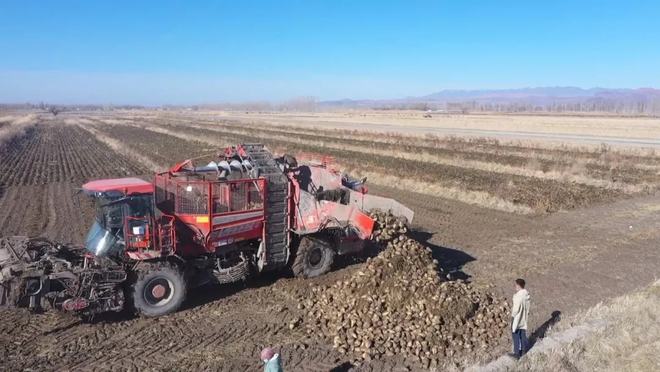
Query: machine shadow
x,y
343,367
450,260
198,296
211,292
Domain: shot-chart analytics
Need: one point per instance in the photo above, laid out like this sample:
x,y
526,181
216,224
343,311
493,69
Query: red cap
x,y
267,353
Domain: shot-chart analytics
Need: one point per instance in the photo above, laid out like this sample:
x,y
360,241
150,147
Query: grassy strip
x,y
602,155
621,176
162,148
574,174
622,335
121,148
539,195
477,198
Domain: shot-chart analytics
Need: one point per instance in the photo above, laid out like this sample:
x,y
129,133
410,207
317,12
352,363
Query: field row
x,y
41,167
163,149
517,191
51,210
613,171
558,168
522,152
59,153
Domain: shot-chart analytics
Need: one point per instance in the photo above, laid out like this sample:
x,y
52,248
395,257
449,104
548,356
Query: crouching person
x,y
271,360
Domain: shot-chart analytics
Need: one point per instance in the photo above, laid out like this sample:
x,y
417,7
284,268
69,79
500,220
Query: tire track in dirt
x,y
52,215
222,335
7,206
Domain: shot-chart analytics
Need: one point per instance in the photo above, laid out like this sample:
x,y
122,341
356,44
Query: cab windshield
x,y
100,241
106,236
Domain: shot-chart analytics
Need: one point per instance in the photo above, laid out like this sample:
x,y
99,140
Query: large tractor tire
x,y
159,289
313,258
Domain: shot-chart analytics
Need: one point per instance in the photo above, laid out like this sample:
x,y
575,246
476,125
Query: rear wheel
x,y
313,258
158,290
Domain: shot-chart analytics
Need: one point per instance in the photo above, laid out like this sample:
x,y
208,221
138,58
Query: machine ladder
x,y
276,205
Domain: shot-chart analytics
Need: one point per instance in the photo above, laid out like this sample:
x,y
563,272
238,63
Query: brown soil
x,y
40,172
59,153
571,261
162,148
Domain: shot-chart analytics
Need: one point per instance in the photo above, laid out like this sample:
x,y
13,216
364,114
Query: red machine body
x,y
245,212
195,212
126,186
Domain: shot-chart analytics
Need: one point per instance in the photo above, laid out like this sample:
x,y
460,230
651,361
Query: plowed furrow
x,y
52,153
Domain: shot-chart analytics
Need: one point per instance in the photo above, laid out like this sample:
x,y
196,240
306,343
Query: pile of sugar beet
x,y
398,303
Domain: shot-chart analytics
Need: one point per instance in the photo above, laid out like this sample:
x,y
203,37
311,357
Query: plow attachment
x,y
37,273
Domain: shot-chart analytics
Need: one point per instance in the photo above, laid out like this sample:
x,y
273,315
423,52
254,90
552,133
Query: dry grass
x,y
630,127
602,155
573,173
186,137
448,184
481,180
161,130
621,335
15,125
575,170
470,197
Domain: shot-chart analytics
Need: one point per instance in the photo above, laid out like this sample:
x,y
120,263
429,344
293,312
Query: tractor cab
x,y
124,215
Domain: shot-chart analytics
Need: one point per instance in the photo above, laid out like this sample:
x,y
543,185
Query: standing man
x,y
519,314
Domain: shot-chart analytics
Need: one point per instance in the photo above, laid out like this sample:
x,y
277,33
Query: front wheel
x,y
313,258
158,290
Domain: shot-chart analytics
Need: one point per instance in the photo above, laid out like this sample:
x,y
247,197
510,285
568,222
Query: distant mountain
x,y
560,99
513,93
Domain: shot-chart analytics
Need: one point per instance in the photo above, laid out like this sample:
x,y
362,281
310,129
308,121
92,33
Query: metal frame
x,y
216,234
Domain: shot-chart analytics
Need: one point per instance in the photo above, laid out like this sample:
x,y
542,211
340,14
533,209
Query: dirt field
x,y
39,172
579,224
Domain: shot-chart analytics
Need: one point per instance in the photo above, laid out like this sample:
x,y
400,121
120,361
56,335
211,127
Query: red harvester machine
x,y
248,212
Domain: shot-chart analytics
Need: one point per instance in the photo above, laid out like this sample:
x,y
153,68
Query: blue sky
x,y
155,52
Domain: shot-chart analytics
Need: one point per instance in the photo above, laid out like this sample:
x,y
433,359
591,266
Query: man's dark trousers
x,y
519,342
